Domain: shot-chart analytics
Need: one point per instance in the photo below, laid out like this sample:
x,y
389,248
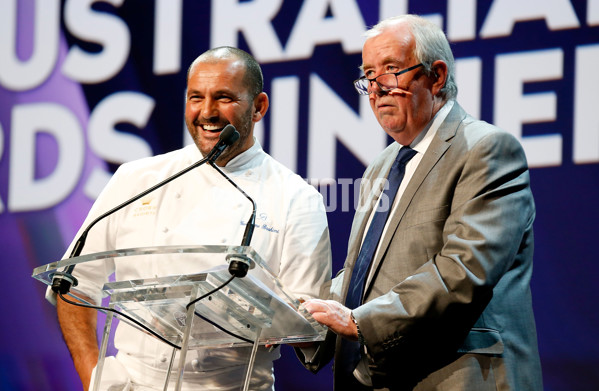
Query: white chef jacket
x,y
201,207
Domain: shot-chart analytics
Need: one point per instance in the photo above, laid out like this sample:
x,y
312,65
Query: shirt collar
x,y
243,160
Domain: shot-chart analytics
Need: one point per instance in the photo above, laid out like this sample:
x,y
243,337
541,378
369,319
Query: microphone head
x,y
228,135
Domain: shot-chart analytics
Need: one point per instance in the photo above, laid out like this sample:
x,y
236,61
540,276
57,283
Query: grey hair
x,y
430,45
252,78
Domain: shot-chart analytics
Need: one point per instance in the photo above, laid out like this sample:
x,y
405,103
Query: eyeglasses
x,y
386,81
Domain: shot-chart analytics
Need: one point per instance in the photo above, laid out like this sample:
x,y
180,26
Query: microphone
x,y
227,137
239,263
62,281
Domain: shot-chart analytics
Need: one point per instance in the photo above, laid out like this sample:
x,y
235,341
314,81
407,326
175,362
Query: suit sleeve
x,y
490,211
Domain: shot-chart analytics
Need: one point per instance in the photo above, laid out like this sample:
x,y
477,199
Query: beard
x,y
244,127
245,132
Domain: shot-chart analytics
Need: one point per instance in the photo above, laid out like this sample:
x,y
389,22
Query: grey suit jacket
x,y
449,303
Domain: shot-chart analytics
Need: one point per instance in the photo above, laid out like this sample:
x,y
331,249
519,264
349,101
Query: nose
x,y
208,109
376,89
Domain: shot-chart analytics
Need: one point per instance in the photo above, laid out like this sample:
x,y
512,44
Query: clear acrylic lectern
x,y
250,311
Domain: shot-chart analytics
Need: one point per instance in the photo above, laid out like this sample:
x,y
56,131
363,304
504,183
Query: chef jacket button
x,y
223,240
165,229
248,173
162,358
177,195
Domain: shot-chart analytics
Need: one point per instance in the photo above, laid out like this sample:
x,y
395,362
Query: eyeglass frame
x,y
385,89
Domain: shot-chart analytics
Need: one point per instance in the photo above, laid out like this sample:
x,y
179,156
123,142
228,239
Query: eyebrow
x,y
219,91
386,60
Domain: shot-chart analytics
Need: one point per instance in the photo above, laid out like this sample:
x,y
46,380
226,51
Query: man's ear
x,y
261,104
439,69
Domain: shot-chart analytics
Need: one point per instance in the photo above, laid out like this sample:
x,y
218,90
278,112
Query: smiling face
x,y
218,95
402,112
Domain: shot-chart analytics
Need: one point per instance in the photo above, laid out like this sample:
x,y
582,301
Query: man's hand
x,y
333,315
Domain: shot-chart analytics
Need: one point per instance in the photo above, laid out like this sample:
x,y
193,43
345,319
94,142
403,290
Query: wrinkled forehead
x,y
394,44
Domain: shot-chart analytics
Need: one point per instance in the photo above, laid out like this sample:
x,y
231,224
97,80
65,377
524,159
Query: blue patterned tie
x,y
350,351
375,230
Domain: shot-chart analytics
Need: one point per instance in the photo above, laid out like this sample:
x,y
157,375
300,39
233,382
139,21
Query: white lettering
x,y
26,192
107,30
345,183
435,18
468,76
461,20
24,75
313,27
328,190
371,190
503,14
586,121
114,146
168,15
390,8
253,19
332,119
513,108
593,12
284,121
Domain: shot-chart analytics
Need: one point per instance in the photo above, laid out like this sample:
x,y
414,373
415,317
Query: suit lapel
x,y
437,148
369,197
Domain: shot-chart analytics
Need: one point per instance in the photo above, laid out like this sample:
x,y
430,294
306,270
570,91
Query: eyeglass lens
x,y
386,81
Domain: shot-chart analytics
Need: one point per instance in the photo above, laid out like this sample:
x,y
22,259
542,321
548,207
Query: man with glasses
x,y
434,293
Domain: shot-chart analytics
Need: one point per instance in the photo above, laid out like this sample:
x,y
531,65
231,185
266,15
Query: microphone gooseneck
x,y
239,263
63,280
